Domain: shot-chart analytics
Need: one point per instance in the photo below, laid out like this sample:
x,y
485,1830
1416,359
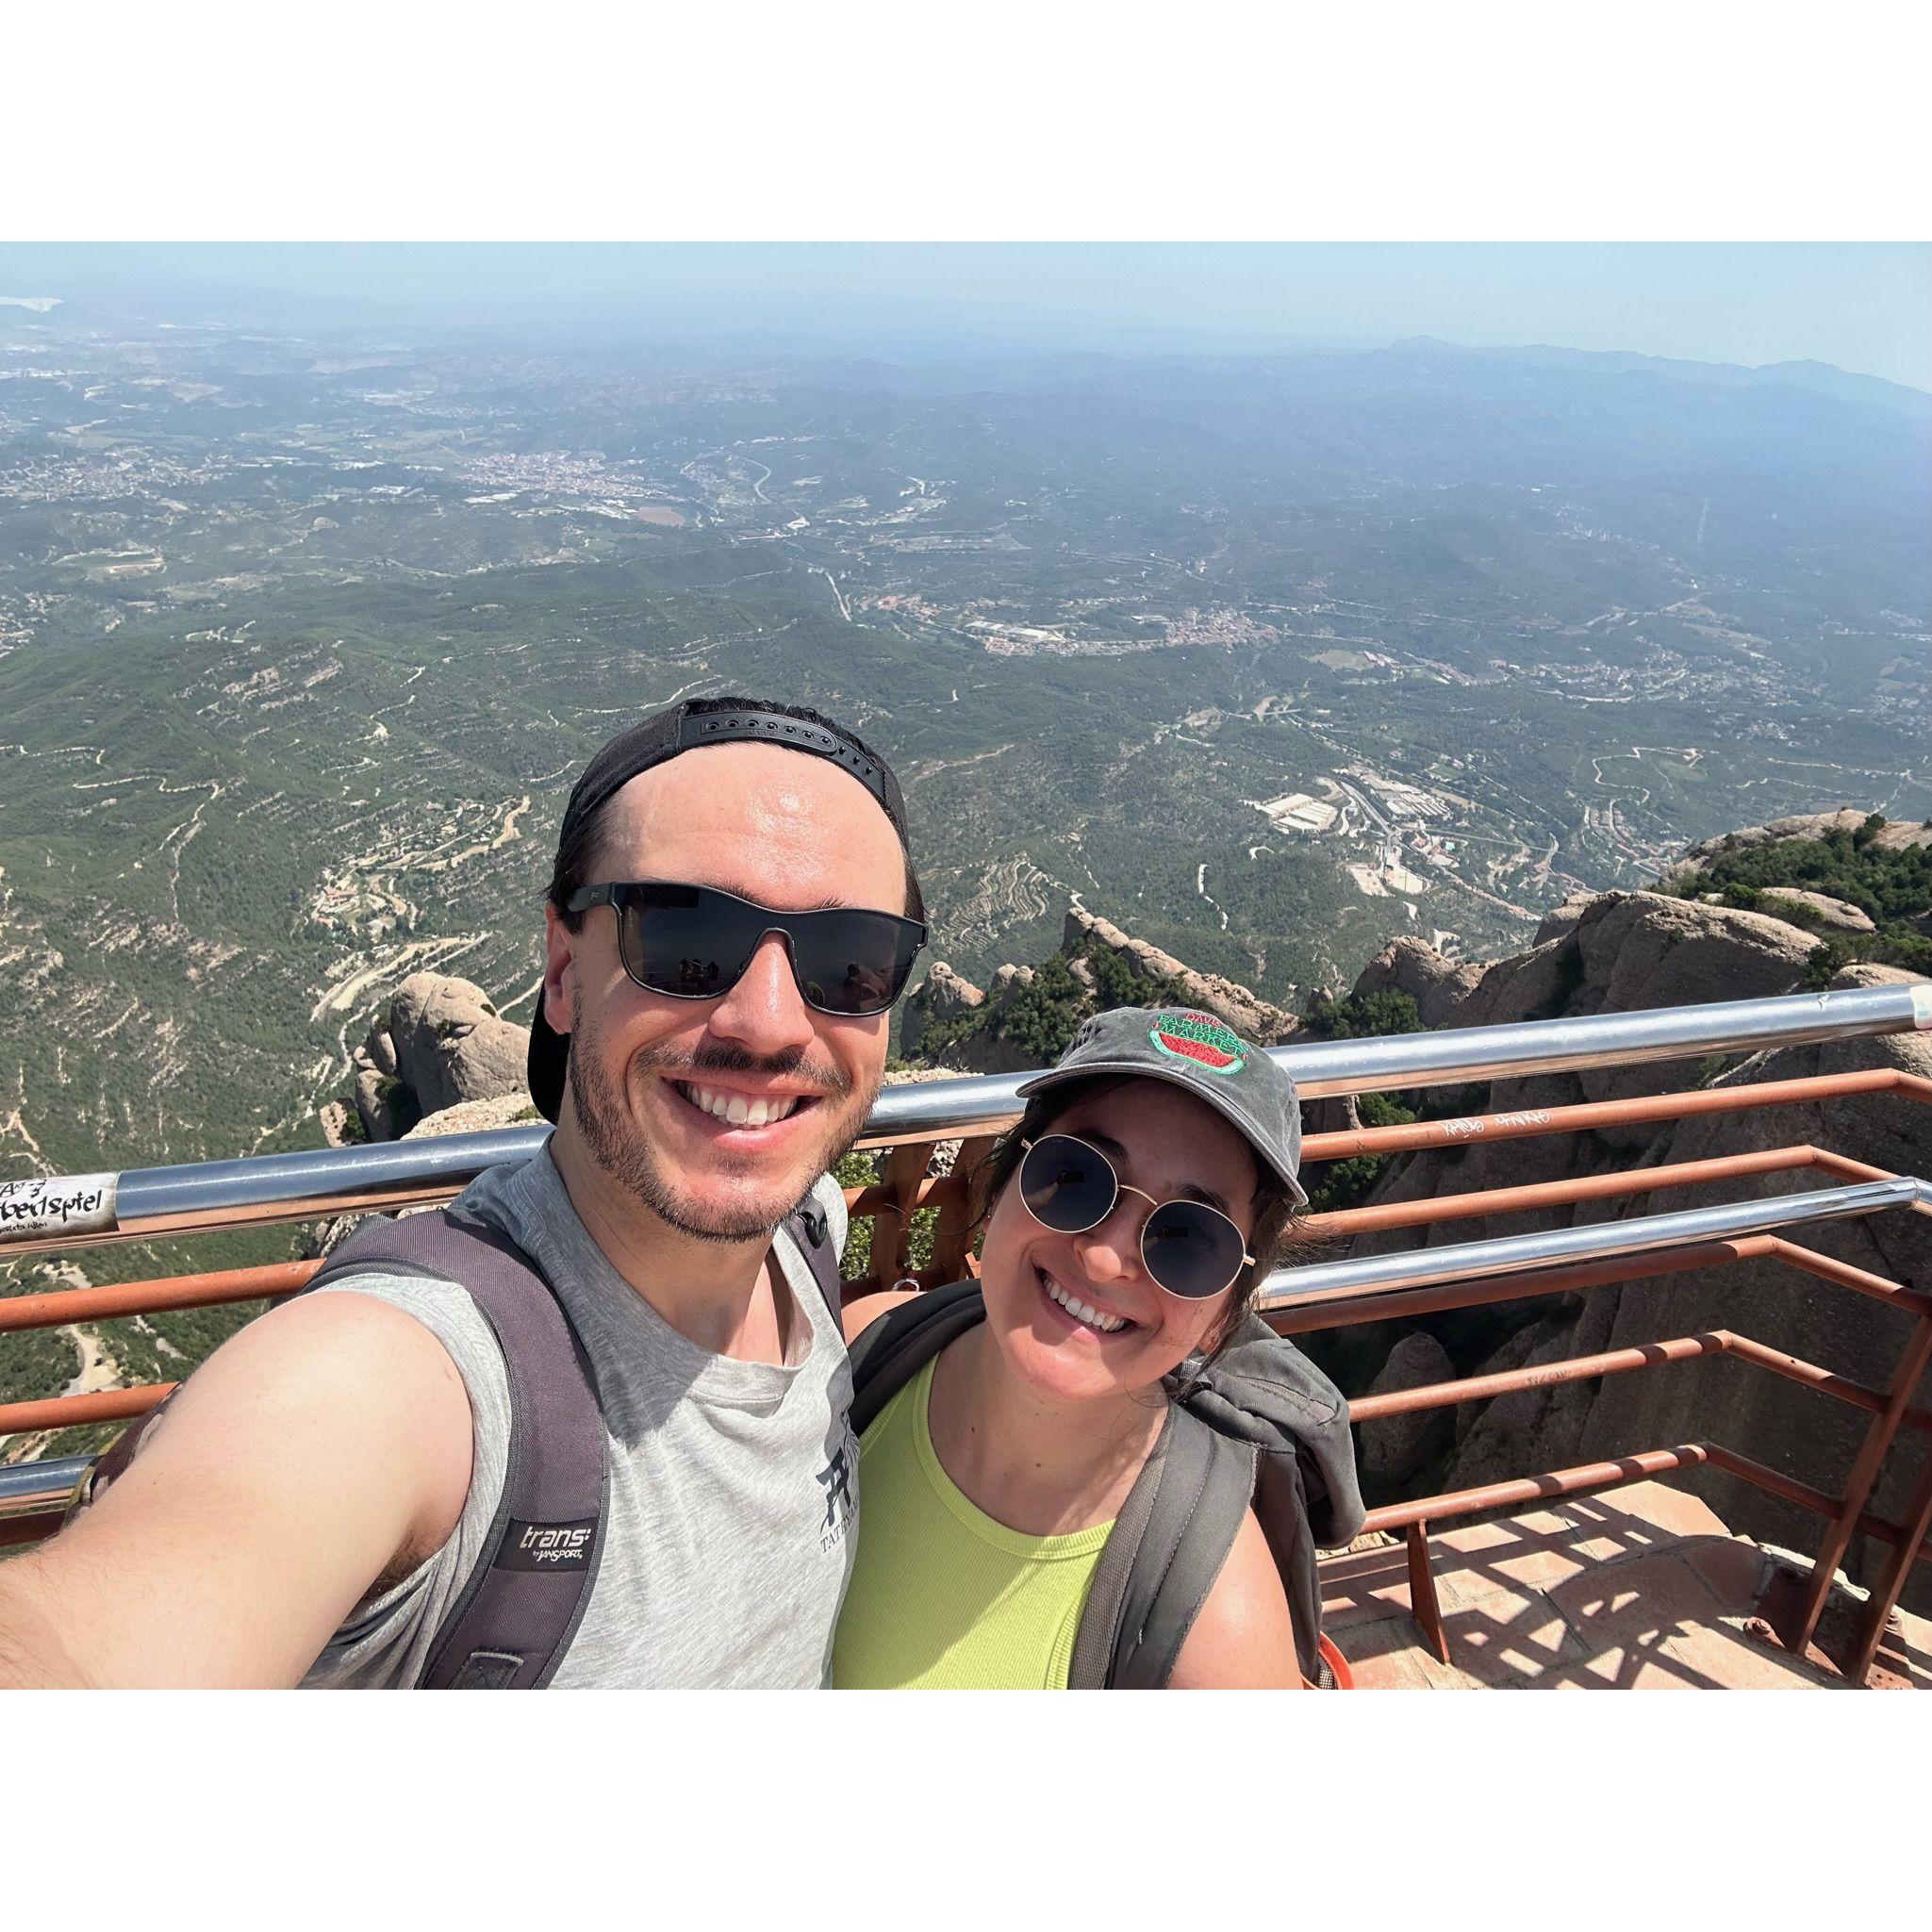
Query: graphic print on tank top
x,y
836,1479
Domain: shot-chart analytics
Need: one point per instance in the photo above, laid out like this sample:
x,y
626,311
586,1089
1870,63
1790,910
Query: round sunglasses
x,y
694,942
1188,1249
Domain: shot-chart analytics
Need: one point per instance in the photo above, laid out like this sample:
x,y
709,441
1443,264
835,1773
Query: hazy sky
x,y
1863,306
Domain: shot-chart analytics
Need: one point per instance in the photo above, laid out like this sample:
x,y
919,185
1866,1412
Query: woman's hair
x,y
1278,1231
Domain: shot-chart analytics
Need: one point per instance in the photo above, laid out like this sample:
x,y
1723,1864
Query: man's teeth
x,y
1107,1324
737,1111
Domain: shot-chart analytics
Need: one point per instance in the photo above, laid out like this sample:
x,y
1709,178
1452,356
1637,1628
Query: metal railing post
x,y
905,1168
952,1237
1918,1525
1423,1604
1872,1451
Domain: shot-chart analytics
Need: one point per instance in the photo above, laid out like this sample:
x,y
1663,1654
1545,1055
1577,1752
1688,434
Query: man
x,y
722,948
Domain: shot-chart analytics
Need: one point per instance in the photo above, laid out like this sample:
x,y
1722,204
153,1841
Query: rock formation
x,y
1411,965
1396,1448
1802,825
1617,952
933,1008
1833,912
1251,1016
939,996
441,1044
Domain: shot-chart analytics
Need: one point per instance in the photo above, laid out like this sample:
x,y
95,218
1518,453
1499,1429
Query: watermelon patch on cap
x,y
1199,1037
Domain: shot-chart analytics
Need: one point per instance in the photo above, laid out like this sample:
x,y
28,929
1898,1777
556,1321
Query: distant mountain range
x,y
1822,376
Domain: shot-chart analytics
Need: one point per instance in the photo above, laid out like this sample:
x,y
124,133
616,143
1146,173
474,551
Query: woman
x,y
1129,1220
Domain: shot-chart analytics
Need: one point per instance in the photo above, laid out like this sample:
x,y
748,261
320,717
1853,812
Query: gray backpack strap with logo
x,y
517,1613
515,1617
1260,1427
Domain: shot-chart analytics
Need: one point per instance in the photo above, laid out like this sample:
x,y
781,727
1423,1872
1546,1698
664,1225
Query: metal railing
x,y
1516,1254
145,1202
64,1213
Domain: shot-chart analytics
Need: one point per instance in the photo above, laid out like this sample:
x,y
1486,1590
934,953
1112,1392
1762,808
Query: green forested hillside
x,y
1891,884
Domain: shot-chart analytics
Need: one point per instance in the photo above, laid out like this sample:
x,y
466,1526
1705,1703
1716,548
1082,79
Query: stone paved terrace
x,y
1642,1587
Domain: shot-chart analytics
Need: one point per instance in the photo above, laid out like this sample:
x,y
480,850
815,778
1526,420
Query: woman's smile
x,y
1081,1308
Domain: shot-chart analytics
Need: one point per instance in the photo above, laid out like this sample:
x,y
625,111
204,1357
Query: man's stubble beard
x,y
628,1159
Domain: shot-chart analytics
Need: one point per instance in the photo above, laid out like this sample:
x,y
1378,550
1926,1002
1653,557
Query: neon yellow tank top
x,y
943,1597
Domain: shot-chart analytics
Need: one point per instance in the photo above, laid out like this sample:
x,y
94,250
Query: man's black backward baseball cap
x,y
687,727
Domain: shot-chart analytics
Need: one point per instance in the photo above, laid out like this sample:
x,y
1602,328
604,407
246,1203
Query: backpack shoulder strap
x,y
514,1619
1281,1506
519,1608
811,1234
111,1463
1168,1546
890,1352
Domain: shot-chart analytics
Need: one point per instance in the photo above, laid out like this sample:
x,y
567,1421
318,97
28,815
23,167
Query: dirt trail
x,y
182,836
1201,886
98,1369
1010,895
14,1125
508,834
420,956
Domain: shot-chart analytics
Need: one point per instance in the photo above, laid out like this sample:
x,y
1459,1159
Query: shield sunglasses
x,y
694,942
1187,1248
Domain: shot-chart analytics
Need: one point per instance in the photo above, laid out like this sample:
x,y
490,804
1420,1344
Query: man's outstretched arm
x,y
324,1446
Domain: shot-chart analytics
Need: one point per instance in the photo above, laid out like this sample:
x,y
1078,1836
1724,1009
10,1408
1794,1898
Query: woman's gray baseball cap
x,y
1195,1050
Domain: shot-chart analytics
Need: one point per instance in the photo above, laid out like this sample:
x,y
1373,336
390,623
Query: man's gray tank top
x,y
732,1508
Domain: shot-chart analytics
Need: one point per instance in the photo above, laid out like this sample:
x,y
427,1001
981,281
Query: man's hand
x,y
324,1447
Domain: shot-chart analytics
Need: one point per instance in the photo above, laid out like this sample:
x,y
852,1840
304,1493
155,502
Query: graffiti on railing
x,y
61,1204
1465,1130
